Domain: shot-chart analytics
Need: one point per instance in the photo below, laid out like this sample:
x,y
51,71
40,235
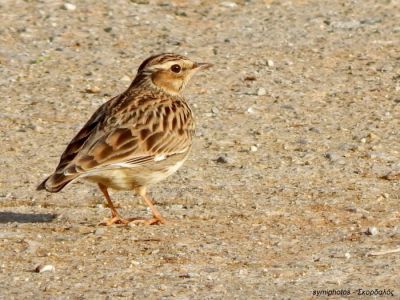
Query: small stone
x,y
270,63
177,206
253,148
38,128
44,268
229,4
126,78
261,92
251,110
347,255
99,231
358,210
210,270
108,29
314,129
92,90
373,136
332,156
352,24
372,231
222,160
214,110
303,141
250,78
69,6
135,263
379,155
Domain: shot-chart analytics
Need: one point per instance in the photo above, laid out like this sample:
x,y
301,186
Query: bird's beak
x,y
201,66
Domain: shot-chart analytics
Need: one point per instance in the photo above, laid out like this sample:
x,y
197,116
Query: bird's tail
x,y
55,183
42,186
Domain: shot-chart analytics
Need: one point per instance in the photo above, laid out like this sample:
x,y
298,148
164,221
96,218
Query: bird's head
x,y
169,72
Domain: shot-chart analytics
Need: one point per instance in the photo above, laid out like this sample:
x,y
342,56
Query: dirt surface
x,y
283,192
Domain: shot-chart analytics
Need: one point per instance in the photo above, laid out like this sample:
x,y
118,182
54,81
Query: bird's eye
x,y
176,68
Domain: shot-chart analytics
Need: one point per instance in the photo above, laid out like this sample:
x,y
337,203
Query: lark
x,y
137,138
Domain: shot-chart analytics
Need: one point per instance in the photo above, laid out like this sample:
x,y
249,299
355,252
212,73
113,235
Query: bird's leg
x,y
157,218
115,216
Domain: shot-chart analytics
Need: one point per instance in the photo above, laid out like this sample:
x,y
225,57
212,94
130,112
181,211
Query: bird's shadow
x,y
8,217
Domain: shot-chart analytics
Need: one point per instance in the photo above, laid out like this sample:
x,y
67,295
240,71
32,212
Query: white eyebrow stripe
x,y
168,64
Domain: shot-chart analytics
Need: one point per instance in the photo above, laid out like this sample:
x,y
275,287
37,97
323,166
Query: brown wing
x,y
82,137
58,180
162,131
127,132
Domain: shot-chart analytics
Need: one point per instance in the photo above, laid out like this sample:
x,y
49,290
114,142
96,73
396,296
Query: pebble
x,y
372,231
126,78
253,148
346,25
229,4
347,255
261,92
332,156
251,110
177,206
214,110
379,155
92,90
44,268
210,270
373,136
69,6
250,78
357,210
99,231
270,63
222,160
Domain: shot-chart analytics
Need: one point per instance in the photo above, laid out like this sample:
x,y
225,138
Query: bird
x,y
135,139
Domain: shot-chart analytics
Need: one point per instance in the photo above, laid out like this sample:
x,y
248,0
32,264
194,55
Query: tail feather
x,y
42,186
55,183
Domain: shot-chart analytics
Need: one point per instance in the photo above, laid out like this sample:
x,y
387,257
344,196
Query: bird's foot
x,y
153,221
139,221
114,220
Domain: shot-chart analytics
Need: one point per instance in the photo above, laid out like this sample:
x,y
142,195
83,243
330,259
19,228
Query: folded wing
x,y
125,135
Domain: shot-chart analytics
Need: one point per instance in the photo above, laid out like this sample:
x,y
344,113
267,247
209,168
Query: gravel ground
x,y
292,185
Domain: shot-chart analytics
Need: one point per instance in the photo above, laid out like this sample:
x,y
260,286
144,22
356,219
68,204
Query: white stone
x,y
372,230
69,6
251,110
261,92
229,4
44,268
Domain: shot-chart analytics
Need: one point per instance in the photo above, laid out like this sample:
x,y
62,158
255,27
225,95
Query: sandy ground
x,y
283,193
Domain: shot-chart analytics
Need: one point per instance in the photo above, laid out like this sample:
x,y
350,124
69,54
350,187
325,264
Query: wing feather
x,y
121,134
